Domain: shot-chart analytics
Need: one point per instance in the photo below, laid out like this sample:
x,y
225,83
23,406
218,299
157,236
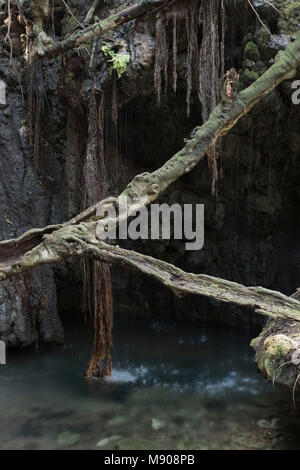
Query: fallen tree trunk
x,y
81,241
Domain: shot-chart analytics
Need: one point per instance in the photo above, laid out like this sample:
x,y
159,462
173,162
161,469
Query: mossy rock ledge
x,y
278,352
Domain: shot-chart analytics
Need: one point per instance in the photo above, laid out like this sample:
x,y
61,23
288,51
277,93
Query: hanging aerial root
x,y
204,58
192,49
100,363
97,286
36,105
161,56
175,29
211,57
213,167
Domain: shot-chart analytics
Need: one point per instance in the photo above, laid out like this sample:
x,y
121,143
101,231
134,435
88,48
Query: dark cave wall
x,y
251,225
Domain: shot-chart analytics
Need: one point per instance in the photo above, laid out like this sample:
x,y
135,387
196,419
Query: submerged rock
x,y
68,438
107,440
157,424
117,421
265,424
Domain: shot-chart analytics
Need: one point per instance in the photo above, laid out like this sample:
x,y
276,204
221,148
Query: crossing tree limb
x,y
47,46
80,241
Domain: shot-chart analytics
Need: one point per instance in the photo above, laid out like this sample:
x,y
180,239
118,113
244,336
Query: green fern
x,y
118,62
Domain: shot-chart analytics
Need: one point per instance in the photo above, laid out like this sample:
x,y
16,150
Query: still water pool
x,y
178,386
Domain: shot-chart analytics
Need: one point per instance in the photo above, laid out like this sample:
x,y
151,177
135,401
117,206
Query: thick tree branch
x,y
81,241
91,12
80,37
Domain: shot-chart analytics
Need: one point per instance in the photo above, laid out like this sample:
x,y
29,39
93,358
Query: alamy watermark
x,y
2,353
296,94
156,222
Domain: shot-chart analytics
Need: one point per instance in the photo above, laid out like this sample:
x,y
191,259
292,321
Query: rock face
x,y
28,306
28,310
251,225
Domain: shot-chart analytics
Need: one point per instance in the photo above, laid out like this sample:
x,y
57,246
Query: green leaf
x,y
119,61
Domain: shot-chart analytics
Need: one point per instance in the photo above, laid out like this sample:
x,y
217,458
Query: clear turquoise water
x,y
174,386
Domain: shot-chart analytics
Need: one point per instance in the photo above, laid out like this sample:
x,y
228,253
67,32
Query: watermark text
x,y
155,222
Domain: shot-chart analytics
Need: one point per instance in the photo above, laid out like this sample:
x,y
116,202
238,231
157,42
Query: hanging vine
x,y
97,287
204,23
